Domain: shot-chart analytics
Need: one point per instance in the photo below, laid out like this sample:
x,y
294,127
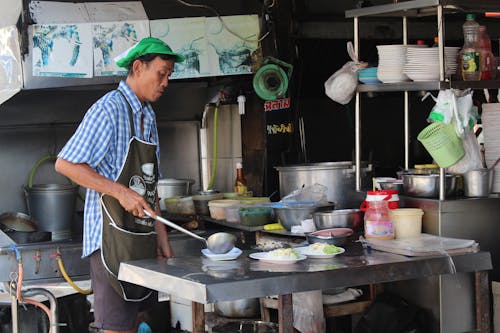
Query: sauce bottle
x,y
487,58
240,184
377,222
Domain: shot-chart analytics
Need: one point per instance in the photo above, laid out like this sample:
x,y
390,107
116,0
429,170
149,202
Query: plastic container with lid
x,y
378,225
217,208
255,215
180,205
407,222
232,213
201,202
253,200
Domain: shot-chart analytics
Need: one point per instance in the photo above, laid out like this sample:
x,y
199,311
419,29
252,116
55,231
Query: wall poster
x,y
232,40
187,37
63,50
110,39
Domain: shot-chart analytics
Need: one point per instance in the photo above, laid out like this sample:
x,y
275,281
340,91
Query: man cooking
x,y
114,153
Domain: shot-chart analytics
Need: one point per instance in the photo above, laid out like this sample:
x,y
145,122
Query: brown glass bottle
x,y
240,184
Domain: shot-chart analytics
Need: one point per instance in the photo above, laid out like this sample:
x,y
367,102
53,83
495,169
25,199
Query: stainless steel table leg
x,y
285,313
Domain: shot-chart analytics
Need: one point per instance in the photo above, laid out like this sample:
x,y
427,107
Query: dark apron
x,y
124,236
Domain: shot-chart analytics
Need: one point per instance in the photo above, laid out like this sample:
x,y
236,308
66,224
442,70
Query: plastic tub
x,y
180,205
217,208
407,222
255,216
236,195
233,214
201,202
254,200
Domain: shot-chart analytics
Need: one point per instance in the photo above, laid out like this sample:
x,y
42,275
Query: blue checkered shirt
x,y
101,141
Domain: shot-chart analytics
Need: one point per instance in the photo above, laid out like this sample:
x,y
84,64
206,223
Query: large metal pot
x,y
241,308
338,177
52,206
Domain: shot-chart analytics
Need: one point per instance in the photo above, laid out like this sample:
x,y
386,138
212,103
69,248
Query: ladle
x,y
218,243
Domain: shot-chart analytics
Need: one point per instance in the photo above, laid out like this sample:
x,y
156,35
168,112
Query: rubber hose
x,y
68,279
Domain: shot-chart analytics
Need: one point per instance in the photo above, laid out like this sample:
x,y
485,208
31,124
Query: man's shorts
x,y
111,311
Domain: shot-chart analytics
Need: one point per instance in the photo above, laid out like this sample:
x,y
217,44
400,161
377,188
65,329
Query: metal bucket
x,y
169,187
246,326
478,183
52,206
338,177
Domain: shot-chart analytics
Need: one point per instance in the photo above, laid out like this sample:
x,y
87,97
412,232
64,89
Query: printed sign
x,y
277,104
275,129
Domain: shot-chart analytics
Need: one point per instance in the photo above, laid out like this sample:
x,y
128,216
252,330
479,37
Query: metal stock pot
x,y
339,177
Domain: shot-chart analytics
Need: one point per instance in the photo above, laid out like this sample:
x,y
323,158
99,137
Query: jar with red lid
x,y
391,196
378,225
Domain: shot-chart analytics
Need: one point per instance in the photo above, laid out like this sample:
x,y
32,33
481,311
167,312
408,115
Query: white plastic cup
x,y
407,222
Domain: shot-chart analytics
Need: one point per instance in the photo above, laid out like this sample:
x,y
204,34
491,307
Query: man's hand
x,y
133,202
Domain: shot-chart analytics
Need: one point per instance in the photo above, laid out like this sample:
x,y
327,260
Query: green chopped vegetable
x,y
331,249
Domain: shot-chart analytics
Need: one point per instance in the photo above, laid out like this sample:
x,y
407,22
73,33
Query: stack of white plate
x,y
391,61
422,64
491,129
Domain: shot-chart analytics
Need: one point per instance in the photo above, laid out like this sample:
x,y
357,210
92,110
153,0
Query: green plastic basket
x,y
442,143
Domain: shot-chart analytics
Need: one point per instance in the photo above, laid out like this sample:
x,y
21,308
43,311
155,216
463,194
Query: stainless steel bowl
x,y
427,186
241,308
341,218
334,236
394,185
295,214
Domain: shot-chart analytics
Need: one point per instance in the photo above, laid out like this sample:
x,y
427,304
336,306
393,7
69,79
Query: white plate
x,y
265,257
231,255
305,250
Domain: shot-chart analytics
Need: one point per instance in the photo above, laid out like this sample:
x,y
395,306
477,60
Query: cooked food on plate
x,y
288,253
323,248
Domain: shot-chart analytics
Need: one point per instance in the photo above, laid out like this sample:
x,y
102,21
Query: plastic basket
x,y
442,143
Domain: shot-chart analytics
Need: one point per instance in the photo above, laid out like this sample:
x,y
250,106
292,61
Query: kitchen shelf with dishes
x,y
393,73
428,85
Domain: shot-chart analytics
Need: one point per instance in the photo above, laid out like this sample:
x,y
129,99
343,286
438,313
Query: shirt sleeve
x,y
92,138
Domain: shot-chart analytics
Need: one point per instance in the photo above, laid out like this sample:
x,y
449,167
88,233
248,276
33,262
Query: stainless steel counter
x,y
205,281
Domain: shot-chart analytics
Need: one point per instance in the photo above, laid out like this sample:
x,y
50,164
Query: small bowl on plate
x,y
334,236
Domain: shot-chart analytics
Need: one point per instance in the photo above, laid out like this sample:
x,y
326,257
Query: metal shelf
x,y
431,85
419,8
403,86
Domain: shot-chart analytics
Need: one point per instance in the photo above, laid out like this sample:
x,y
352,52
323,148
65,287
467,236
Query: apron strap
x,y
130,114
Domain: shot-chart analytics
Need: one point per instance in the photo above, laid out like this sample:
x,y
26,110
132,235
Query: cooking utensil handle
x,y
175,226
495,164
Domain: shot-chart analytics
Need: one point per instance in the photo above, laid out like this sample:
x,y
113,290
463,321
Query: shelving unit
x,y
415,8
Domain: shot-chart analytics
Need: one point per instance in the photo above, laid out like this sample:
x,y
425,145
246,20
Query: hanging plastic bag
x,y
443,110
313,194
453,107
342,84
463,111
472,157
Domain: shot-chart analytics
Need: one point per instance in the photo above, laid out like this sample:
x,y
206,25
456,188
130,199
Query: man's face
x,y
152,78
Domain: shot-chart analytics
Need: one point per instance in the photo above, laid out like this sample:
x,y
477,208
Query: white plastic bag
x,y
342,84
315,193
453,107
472,157
443,110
